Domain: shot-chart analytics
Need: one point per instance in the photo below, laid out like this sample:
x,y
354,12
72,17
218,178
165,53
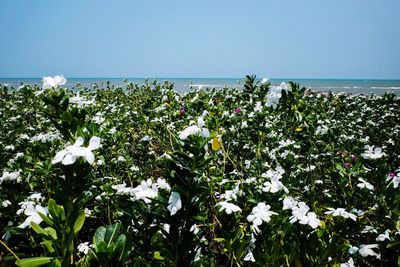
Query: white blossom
x,y
84,247
249,257
50,82
384,236
349,263
33,216
341,212
372,153
198,129
228,207
365,184
70,154
260,214
174,203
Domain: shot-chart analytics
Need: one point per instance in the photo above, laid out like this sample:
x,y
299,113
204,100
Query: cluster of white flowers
x,y
146,190
275,93
10,176
71,153
372,153
198,129
321,130
45,137
228,207
342,213
300,212
230,195
30,208
365,250
80,101
274,185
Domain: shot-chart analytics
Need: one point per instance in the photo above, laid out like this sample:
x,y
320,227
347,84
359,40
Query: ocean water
x,y
378,87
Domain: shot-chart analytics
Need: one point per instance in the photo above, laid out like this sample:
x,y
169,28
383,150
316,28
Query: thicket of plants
x,y
142,175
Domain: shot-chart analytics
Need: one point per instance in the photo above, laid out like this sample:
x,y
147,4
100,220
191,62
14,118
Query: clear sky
x,y
200,38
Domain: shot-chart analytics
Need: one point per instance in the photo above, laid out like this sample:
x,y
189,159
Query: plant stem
x,y
12,252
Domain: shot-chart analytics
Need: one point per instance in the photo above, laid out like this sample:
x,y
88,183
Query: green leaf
x,y
32,262
157,256
39,230
99,235
79,222
46,219
120,243
111,232
55,210
52,232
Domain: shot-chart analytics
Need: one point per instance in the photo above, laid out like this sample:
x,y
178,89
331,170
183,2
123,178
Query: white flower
x,y
289,203
84,247
163,184
369,229
310,219
366,250
365,184
372,153
384,236
33,216
341,212
11,176
274,186
228,207
50,82
146,138
69,155
145,191
264,80
394,178
321,130
194,229
6,203
349,263
258,107
260,213
174,203
353,250
299,212
249,257
198,129
80,101
275,93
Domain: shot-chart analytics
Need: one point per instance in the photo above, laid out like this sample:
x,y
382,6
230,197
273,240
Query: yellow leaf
x,y
298,129
215,145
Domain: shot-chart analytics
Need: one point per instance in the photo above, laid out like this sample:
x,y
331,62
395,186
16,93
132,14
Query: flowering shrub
x,y
142,175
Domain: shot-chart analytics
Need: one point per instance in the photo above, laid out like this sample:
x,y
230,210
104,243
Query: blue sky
x,y
208,38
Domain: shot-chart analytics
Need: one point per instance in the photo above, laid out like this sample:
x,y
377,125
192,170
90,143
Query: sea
x,y
354,86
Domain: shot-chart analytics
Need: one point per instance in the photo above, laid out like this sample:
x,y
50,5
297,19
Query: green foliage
x,y
114,212
109,248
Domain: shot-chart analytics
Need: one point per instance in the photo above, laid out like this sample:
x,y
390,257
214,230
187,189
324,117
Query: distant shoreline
x,y
353,86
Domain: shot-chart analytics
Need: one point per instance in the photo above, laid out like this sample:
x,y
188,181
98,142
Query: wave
x,y
386,87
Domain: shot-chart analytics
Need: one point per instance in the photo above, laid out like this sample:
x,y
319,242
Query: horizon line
x,y
220,78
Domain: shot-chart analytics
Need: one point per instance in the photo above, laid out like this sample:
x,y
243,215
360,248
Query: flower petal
x,y
94,143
